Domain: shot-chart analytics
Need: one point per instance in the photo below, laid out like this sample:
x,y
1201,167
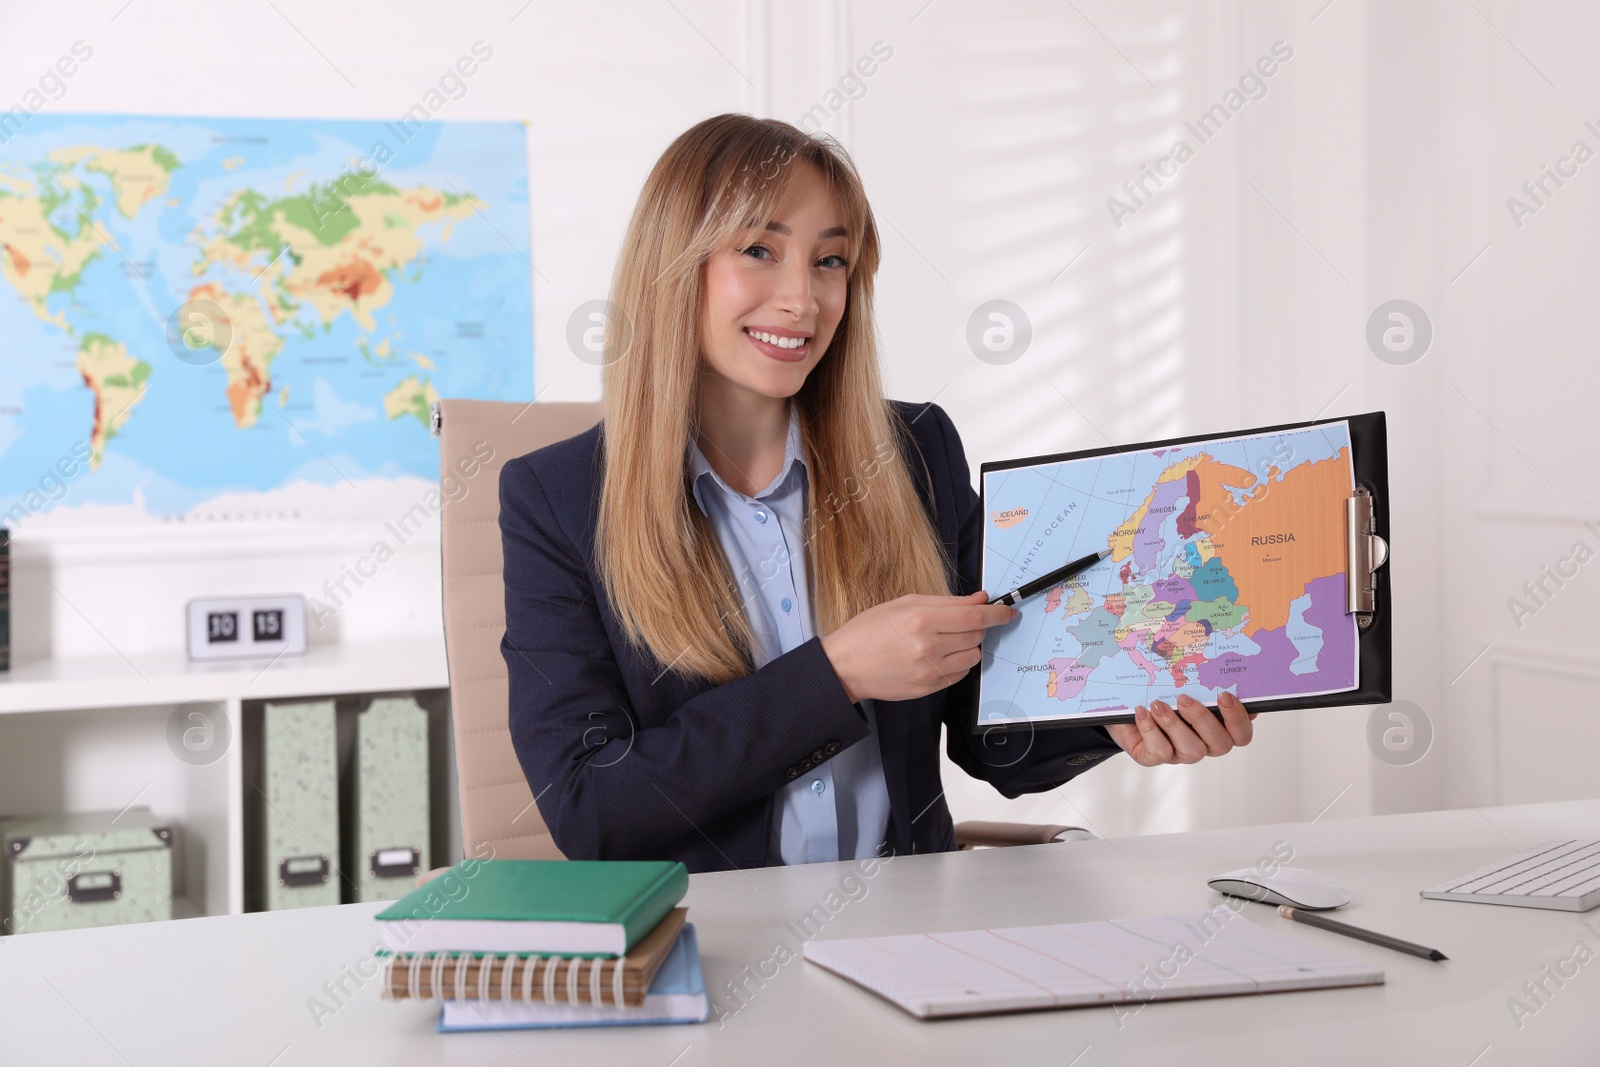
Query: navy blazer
x,y
628,760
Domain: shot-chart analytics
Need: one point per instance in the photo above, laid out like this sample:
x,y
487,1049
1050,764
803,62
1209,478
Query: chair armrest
x,y
977,833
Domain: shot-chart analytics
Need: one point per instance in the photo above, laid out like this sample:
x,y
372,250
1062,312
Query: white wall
x,y
1375,167
598,115
1518,403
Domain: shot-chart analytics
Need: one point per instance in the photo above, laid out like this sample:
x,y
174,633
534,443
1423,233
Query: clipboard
x,y
1365,525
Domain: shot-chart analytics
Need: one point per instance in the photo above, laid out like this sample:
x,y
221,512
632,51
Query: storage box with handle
x,y
298,806
73,870
387,818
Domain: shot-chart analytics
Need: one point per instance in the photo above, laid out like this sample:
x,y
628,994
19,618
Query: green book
x,y
557,907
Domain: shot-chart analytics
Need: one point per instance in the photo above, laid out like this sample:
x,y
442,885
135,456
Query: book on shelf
x,y
5,599
620,981
676,995
559,907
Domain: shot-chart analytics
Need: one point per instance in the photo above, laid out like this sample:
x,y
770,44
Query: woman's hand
x,y
1160,735
913,645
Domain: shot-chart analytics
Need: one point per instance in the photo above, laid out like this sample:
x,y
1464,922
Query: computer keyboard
x,y
1561,875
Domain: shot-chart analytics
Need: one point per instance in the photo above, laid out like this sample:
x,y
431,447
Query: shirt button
x,y
786,604
818,786
761,516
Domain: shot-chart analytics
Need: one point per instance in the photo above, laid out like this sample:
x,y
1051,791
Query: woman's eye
x,y
759,251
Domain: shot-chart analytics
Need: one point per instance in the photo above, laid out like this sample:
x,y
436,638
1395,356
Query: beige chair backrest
x,y
497,807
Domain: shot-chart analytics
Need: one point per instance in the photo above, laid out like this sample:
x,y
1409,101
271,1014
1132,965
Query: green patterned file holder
x,y
300,816
388,820
70,871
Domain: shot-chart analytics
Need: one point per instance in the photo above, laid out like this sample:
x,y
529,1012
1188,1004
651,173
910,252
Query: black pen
x,y
1061,574
1325,923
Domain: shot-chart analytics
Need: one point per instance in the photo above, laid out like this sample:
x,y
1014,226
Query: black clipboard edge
x,y
1369,443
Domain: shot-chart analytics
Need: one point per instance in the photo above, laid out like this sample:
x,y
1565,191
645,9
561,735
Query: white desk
x,y
236,990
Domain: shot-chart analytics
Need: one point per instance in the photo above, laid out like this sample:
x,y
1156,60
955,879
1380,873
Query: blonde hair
x,y
868,536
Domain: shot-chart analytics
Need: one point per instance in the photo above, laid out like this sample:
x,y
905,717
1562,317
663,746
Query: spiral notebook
x,y
511,977
1118,961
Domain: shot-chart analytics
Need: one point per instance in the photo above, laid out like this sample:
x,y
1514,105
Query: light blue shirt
x,y
840,810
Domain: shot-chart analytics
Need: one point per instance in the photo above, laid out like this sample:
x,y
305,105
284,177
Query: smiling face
x,y
773,300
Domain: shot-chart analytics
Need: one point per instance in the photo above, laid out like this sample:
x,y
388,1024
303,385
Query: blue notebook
x,y
678,995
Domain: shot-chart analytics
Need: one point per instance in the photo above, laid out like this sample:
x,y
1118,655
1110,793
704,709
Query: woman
x,y
740,610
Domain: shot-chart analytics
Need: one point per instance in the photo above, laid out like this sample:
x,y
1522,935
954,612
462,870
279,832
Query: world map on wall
x,y
202,313
1226,571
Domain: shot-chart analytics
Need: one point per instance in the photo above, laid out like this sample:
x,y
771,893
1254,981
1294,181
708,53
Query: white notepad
x,y
1117,961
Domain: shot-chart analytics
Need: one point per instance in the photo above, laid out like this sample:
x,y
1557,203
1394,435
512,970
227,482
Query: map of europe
x,y
199,313
1226,572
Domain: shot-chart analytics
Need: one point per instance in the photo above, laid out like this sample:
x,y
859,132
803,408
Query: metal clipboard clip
x,y
1365,552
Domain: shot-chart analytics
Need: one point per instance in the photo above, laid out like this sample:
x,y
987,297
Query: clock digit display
x,y
243,627
222,626
268,625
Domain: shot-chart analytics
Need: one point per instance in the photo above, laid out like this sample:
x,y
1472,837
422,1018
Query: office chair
x,y
497,807
498,812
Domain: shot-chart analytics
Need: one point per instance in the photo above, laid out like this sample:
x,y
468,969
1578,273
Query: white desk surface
x,y
238,990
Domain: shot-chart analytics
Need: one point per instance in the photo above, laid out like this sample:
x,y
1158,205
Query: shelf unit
x,y
96,734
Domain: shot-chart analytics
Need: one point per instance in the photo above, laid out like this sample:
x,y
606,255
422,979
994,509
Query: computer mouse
x,y
1294,886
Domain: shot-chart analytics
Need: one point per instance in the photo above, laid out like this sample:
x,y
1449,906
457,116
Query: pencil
x,y
1325,923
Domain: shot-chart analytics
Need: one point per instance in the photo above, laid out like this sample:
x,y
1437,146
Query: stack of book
x,y
528,944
